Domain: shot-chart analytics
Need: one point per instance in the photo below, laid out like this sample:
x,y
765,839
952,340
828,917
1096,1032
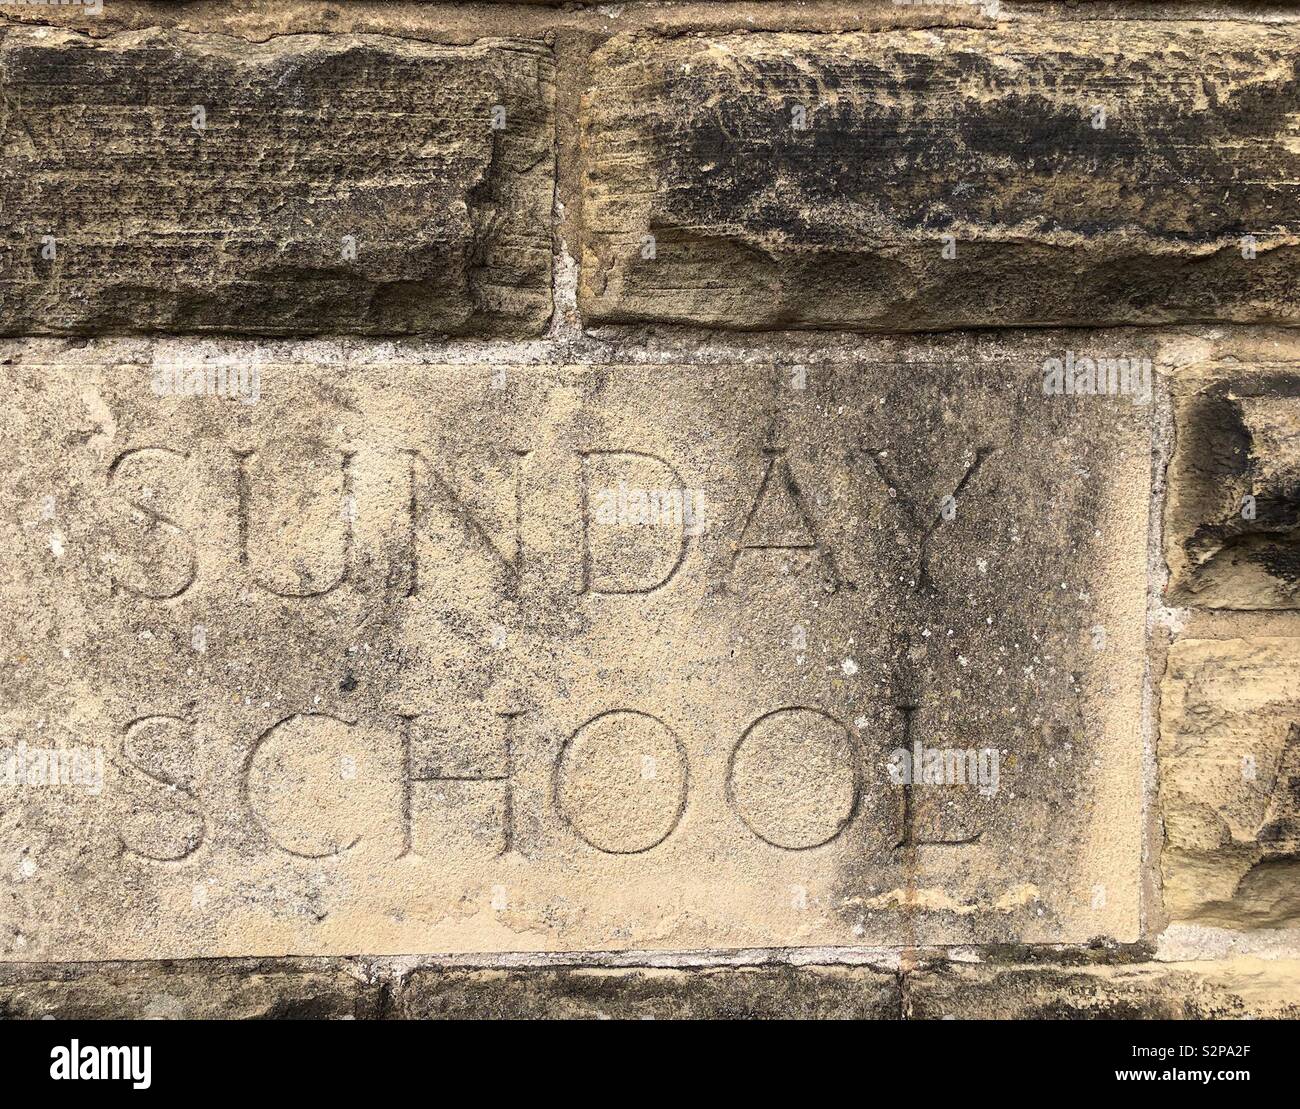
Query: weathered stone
x,y
605,993
1230,782
1232,520
162,181
1234,989
1084,172
189,991
399,657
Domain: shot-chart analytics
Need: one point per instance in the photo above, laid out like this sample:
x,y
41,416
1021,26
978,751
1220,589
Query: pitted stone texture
x,y
642,674
716,993
809,180
1230,782
347,183
1234,989
241,990
1233,511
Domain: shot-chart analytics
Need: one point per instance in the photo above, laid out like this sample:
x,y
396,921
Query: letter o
x,y
795,778
621,782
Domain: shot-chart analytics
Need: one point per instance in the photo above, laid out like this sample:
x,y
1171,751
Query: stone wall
x,y
657,509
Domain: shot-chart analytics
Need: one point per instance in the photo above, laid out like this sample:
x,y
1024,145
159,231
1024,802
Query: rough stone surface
x,y
797,180
1230,782
721,993
1233,989
1233,513
190,991
121,215
473,628
547,716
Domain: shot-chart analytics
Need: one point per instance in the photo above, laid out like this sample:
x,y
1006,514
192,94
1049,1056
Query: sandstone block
x,y
1091,172
1230,782
165,181
390,657
1232,519
608,993
1234,989
242,990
